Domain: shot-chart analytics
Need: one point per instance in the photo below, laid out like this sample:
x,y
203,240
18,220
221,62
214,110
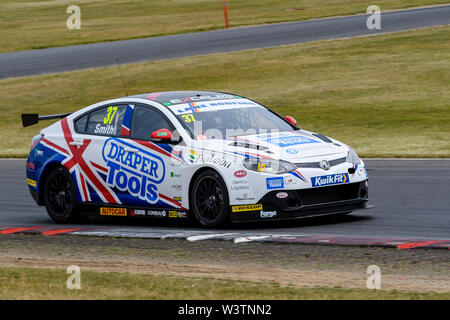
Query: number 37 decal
x,y
110,116
188,118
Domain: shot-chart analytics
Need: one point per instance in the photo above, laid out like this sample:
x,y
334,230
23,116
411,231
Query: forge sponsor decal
x,y
177,199
330,179
133,169
288,141
267,214
275,183
118,212
250,207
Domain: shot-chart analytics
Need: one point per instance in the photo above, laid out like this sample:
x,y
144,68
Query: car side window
x,y
106,121
146,120
80,124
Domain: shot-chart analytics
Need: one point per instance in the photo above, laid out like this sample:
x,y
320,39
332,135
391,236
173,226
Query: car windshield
x,y
220,120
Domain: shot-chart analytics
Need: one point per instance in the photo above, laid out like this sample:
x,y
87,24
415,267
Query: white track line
x,y
208,236
248,239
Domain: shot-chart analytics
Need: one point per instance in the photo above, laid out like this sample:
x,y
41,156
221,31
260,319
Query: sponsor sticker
x,y
175,175
162,134
292,151
267,214
289,180
274,183
193,106
214,160
240,173
250,207
238,188
177,198
244,197
156,213
330,179
120,212
31,182
288,141
173,214
137,173
138,212
282,195
182,214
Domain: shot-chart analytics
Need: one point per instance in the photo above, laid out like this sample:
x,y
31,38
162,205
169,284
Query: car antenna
x,y
121,77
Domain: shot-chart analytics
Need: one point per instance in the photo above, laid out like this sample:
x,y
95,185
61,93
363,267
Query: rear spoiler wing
x,y
28,119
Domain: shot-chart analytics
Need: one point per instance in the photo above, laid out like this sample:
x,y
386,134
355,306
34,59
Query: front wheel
x,y
60,196
209,199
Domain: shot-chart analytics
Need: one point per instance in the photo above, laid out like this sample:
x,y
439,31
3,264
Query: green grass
x,y
26,24
387,96
33,283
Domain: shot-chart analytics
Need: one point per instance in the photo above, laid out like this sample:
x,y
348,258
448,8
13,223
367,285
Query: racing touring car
x,y
212,156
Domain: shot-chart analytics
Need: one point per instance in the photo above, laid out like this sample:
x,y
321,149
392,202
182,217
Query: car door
x,y
92,132
156,157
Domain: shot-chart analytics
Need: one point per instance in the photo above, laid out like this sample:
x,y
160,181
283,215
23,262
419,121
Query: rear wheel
x,y
60,196
209,199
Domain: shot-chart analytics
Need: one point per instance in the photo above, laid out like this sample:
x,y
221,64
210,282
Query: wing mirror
x,y
165,135
161,134
291,120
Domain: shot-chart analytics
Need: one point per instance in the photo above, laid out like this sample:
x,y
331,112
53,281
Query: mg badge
x,y
324,164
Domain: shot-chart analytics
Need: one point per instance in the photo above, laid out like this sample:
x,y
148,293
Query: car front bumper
x,y
305,203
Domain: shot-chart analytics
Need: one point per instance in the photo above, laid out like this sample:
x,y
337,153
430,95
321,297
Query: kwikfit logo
x,y
330,179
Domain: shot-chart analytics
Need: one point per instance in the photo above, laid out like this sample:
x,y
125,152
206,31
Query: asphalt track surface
x,y
411,199
34,62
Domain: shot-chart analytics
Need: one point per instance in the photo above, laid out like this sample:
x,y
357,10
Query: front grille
x,y
333,163
328,194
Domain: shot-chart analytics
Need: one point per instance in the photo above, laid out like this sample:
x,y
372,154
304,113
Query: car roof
x,y
168,98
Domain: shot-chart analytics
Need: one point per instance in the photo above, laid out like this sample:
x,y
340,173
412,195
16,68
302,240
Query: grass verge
x,y
387,96
34,283
28,24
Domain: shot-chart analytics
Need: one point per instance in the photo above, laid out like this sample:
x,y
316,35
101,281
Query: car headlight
x,y
352,157
268,165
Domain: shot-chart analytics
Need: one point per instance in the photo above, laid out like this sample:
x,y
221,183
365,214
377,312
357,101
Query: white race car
x,y
214,156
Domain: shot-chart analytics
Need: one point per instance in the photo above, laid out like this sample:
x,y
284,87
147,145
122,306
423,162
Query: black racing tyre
x,y
209,199
60,196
